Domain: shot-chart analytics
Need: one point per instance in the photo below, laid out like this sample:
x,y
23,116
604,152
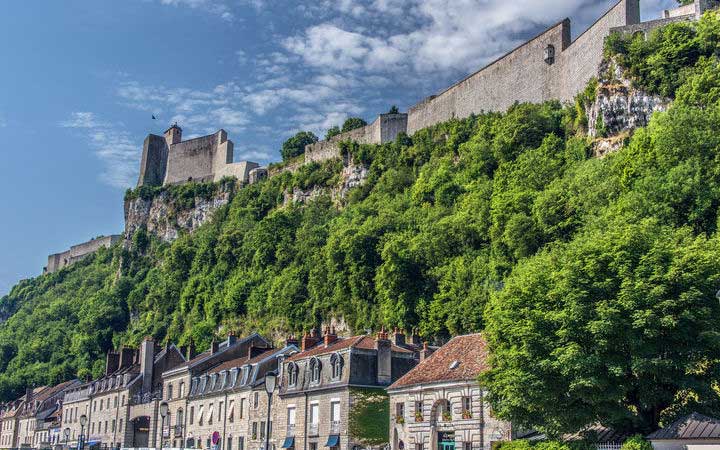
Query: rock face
x,y
619,108
353,175
165,218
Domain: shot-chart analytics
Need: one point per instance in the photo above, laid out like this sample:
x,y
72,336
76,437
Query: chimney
x,y
384,357
398,337
28,394
190,351
253,351
147,357
173,135
214,347
425,352
232,339
292,340
309,340
127,356
112,362
183,350
330,336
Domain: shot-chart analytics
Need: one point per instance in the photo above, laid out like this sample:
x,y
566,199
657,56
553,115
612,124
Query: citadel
x,y
550,66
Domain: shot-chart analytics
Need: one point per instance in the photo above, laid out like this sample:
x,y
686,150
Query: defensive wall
x,y
78,252
384,129
170,160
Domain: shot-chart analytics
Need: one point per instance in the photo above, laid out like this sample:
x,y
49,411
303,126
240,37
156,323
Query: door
x,y
446,441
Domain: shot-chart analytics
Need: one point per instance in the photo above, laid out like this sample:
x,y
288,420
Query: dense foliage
x,y
352,123
594,279
295,146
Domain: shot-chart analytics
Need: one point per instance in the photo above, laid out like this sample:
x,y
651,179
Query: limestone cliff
x,y
618,109
352,175
166,215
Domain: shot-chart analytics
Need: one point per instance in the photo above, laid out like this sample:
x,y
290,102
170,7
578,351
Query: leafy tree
x,y
332,132
394,110
295,146
352,123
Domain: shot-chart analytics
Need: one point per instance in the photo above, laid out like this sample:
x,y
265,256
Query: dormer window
x,y
292,374
315,367
549,56
336,361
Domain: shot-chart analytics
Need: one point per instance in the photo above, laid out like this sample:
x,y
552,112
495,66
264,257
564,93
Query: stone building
x,y
77,252
121,406
439,405
334,386
181,427
10,416
169,160
37,416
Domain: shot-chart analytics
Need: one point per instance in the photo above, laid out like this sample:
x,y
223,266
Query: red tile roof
x,y
364,342
471,353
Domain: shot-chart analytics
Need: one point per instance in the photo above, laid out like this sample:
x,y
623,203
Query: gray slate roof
x,y
693,426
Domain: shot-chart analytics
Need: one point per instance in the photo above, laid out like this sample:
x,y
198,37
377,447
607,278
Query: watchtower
x,y
173,135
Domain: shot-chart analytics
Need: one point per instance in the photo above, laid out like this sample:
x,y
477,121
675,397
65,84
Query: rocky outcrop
x,y
167,217
618,109
353,175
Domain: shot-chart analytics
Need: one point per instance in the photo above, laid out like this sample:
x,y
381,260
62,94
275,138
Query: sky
x,y
81,79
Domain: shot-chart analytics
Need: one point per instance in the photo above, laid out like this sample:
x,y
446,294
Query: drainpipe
x,y
305,421
224,439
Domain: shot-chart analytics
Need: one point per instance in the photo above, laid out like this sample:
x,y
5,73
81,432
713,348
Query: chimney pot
x,y
214,347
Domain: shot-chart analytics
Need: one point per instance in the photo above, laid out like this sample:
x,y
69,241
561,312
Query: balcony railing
x,y
145,397
335,427
177,430
291,429
313,429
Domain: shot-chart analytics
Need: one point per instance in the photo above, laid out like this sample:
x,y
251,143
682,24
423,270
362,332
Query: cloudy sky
x,y
80,80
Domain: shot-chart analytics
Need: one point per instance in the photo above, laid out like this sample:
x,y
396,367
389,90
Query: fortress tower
x,y
169,160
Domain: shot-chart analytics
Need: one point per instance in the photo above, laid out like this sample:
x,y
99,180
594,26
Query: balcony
x,y
335,427
177,430
313,429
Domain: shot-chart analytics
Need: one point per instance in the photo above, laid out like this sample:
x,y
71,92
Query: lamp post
x,y
163,414
270,383
83,422
66,431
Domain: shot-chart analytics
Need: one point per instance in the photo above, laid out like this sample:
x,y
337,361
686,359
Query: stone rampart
x,y
384,129
191,160
78,252
546,67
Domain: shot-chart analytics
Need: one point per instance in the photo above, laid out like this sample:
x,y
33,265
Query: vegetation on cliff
x,y
594,279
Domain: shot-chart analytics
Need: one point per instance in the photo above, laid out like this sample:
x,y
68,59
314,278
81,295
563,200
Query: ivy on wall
x,y
368,418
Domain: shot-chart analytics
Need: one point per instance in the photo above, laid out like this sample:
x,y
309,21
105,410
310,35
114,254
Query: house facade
x,y
334,387
439,405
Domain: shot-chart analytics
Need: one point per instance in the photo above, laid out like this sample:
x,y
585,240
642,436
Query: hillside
x,y
594,278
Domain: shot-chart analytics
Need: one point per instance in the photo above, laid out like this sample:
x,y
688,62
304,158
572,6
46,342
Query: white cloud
x,y
216,7
112,144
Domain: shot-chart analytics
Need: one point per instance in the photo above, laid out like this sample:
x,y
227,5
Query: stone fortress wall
x,y
168,160
78,252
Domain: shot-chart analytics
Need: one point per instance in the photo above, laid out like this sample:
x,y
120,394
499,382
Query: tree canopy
x,y
295,146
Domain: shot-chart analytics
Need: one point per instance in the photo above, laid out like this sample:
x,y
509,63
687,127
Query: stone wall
x,y
384,129
192,160
77,252
525,75
154,161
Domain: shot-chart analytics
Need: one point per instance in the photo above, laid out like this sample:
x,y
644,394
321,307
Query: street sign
x,y
215,437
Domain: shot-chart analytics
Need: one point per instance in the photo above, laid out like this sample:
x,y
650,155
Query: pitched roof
x,y
362,341
692,426
462,358
51,391
241,361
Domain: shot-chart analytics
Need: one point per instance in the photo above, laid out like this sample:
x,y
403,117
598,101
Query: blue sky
x,y
80,79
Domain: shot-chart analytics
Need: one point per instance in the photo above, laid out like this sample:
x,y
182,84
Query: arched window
x,y
292,374
336,361
315,370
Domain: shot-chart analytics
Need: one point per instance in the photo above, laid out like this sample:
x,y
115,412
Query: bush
x,y
637,442
295,146
353,123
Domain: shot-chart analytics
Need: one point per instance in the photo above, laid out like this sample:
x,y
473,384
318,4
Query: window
x,y
92,427
241,408
400,409
314,370
120,428
313,446
122,402
254,430
419,411
314,414
115,402
200,414
241,443
231,412
336,361
192,413
256,399
262,430
210,414
182,389
170,392
467,408
292,374
467,445
229,443
549,54
419,446
291,416
335,411
113,426
106,423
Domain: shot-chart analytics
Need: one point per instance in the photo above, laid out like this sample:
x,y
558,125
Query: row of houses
x,y
342,393
314,393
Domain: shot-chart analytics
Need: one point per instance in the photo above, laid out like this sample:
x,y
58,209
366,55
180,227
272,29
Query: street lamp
x,y
163,414
83,422
270,383
67,435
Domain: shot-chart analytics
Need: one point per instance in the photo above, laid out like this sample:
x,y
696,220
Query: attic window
x,y
454,364
549,56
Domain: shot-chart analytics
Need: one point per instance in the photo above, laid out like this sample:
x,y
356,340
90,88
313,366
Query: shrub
x,y
295,146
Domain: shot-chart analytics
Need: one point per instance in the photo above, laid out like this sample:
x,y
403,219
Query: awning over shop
x,y
333,440
289,442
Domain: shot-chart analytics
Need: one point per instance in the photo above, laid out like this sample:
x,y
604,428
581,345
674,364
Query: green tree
x,y
295,146
332,132
352,123
394,110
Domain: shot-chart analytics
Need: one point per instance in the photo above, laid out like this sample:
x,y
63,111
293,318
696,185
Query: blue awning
x,y
289,442
333,440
